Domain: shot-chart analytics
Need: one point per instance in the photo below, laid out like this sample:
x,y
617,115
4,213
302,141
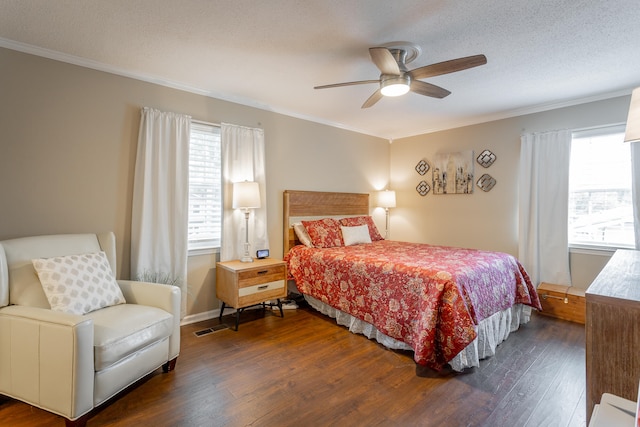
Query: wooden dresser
x,y
613,329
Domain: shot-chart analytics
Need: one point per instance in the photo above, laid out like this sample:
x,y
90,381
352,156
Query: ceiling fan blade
x,y
447,67
427,89
375,97
384,60
361,82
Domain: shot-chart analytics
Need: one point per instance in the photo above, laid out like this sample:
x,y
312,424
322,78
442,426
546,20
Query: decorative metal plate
x,y
486,182
422,167
486,158
423,188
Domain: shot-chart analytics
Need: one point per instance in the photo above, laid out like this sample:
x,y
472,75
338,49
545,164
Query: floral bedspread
x,y
429,297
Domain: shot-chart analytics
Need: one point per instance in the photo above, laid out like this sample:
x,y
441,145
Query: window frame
x,y
587,248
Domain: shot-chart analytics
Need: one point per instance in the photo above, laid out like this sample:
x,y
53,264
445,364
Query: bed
x,y
450,306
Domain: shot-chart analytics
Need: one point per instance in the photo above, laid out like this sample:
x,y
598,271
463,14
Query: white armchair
x,y
68,363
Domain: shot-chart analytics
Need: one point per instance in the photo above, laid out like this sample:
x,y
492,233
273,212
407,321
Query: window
x,y
600,206
205,187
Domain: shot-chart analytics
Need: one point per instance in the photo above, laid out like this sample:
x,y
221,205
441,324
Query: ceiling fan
x,y
395,79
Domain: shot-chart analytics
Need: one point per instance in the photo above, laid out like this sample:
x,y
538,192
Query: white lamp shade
x,y
632,132
246,195
387,199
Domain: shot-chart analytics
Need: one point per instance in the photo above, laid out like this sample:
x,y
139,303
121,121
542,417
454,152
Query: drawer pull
x,y
263,272
263,287
565,299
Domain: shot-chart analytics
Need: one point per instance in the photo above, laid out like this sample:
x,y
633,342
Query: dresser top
x,y
619,279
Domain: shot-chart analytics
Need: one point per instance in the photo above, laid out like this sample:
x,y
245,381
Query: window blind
x,y
205,187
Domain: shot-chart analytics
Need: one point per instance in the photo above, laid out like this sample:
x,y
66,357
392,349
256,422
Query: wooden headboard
x,y
318,204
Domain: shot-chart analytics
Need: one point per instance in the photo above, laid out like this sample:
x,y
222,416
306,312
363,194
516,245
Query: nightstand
x,y
244,284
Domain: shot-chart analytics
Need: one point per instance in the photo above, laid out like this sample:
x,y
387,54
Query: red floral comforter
x,y
429,297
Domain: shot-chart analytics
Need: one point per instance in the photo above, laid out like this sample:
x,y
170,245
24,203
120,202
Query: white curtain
x,y
242,160
544,205
635,189
159,217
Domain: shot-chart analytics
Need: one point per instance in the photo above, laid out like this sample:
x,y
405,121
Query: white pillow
x,y
78,284
355,235
302,234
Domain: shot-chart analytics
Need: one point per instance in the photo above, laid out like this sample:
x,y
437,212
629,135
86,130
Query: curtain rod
x,y
584,129
597,127
202,122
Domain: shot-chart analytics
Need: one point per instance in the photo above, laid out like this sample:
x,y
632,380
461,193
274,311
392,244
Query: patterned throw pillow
x,y
362,220
324,233
78,284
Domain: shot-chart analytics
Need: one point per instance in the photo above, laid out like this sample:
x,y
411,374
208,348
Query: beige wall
x,y
68,143
485,220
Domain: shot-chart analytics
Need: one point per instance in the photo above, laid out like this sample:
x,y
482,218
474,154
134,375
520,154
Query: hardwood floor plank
x,y
566,388
304,369
579,416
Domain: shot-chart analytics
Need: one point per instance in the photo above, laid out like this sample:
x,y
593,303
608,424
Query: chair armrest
x,y
43,315
46,359
165,297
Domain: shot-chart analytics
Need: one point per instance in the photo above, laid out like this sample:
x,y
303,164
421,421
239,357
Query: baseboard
x,y
211,314
199,317
207,315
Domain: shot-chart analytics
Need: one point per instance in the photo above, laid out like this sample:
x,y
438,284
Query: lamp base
x,y
386,229
246,257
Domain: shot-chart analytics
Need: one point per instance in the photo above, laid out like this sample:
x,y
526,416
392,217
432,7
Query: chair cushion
x,y
124,329
24,286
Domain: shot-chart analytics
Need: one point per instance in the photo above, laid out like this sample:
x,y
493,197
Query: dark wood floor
x,y
305,370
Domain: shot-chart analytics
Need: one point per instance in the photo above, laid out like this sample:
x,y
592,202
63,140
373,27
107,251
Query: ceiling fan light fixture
x,y
396,80
395,85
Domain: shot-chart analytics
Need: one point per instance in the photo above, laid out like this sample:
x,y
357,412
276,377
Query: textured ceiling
x,y
270,54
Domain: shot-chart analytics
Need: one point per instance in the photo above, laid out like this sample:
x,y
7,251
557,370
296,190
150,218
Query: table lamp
x,y
386,200
246,195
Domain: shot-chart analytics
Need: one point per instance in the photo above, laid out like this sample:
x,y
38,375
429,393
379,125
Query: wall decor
x,y
486,182
453,173
423,188
422,167
486,158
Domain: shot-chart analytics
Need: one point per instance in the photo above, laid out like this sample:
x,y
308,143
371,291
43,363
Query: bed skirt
x,y
491,332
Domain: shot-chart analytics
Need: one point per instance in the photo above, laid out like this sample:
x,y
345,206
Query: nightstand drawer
x,y
255,294
261,275
263,287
